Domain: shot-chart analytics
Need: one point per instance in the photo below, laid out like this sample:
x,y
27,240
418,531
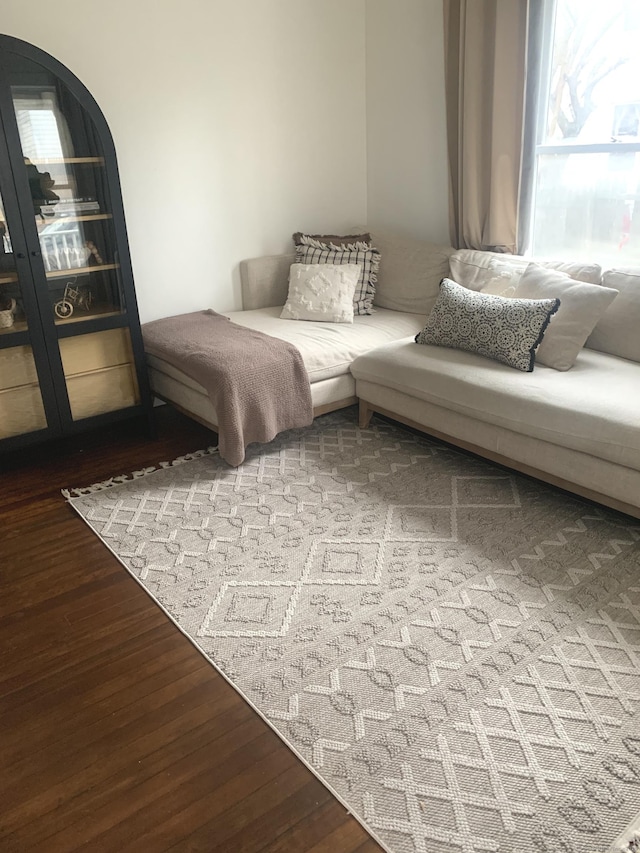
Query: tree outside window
x,y
587,192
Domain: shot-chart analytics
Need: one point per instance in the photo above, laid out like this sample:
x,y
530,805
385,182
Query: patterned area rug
x,y
452,648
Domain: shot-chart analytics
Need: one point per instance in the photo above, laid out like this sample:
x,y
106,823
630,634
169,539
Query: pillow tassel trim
x,y
359,246
341,239
544,328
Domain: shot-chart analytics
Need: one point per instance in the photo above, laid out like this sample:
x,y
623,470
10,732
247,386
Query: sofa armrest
x,y
265,281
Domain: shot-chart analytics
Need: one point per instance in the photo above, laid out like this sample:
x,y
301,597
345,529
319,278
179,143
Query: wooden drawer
x,y
96,350
99,371
17,367
102,391
21,410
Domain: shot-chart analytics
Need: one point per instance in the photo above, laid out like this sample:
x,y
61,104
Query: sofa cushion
x,y
312,251
321,292
410,273
328,349
581,306
494,272
618,331
594,408
508,330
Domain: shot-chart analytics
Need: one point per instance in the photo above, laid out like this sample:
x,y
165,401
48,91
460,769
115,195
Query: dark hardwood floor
x,y
115,733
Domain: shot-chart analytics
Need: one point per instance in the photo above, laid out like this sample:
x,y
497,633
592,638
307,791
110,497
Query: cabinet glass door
x,y
65,169
21,405
12,314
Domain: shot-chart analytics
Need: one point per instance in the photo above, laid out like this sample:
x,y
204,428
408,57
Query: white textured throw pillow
x,y
581,306
321,292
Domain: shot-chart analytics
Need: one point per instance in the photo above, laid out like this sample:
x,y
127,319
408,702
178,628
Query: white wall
x,y
406,131
235,124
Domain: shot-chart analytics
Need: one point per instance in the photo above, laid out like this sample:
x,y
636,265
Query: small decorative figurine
x,y
72,297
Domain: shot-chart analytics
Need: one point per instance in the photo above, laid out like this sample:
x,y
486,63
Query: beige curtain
x,y
485,76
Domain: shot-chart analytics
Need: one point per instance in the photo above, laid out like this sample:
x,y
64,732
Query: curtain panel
x,y
485,82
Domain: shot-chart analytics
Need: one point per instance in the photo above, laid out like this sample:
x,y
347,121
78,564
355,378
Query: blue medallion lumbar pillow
x,y
506,330
348,249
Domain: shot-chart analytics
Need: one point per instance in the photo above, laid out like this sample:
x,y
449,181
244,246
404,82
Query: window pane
x,y
585,205
594,93
588,156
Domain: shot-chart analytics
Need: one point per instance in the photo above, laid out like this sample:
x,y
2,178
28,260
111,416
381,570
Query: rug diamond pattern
x,y
454,649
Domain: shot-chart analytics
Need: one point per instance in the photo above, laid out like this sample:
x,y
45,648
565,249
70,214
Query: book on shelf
x,y
78,205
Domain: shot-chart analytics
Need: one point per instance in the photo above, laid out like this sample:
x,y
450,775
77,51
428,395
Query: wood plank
x,y
249,767
116,732
308,829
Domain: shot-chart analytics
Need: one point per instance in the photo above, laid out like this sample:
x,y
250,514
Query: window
x,y
586,200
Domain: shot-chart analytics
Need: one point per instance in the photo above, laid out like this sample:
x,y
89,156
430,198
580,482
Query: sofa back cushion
x,y
581,306
497,273
410,273
493,272
618,330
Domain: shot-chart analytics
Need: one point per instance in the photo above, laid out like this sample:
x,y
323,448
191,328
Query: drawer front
x,y
96,350
17,367
102,391
21,411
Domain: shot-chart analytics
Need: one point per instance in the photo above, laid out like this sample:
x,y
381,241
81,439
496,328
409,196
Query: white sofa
x,y
578,429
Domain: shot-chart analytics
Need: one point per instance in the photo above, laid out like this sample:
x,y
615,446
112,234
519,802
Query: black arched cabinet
x,y
71,354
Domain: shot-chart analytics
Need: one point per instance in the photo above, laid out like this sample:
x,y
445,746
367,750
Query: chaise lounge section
x,y
578,429
328,349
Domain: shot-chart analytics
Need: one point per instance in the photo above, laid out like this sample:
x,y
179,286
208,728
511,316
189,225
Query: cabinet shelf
x,y
81,270
18,326
12,278
82,316
84,217
61,161
96,312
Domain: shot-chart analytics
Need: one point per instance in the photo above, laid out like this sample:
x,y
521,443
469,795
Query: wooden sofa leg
x,y
365,415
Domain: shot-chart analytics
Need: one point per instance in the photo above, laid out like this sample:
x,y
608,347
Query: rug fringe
x,y
631,844
123,478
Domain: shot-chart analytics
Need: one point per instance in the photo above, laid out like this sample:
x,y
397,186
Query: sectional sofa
x,y
576,428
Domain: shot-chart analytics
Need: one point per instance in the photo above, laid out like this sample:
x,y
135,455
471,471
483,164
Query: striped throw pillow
x,y
310,250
